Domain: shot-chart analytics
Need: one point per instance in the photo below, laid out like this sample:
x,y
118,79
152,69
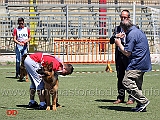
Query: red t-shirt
x,y
43,58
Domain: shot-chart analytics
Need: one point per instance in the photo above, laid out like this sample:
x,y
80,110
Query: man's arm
x,y
15,40
121,47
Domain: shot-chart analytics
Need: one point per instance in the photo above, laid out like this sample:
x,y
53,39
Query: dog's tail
x,y
22,69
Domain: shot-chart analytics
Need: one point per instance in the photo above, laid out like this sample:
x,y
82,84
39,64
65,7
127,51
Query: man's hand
x,y
120,35
118,42
121,47
21,43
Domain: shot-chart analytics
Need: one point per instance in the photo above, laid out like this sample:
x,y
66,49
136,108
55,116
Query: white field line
x,y
91,67
7,68
152,75
69,76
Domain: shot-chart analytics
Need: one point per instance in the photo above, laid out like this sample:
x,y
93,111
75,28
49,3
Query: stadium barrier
x,y
84,51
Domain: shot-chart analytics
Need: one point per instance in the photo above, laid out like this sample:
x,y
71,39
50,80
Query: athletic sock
x,y
32,101
42,103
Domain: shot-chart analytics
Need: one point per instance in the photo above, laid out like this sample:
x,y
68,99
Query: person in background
x,y
121,60
21,36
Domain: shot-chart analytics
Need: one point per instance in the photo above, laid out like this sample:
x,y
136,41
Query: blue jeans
x,y
20,51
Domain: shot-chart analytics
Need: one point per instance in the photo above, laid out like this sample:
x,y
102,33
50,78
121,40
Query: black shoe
x,y
17,76
42,107
141,108
135,109
33,105
21,80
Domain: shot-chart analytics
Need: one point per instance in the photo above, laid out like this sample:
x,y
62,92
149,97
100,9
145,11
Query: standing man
x,y
136,49
121,60
21,37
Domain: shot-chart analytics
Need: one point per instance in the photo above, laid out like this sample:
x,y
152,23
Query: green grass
x,y
84,96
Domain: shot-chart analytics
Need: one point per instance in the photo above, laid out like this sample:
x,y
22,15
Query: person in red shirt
x,y
34,62
21,36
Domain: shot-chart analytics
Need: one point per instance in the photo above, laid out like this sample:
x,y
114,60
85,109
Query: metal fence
x,y
71,22
84,51
15,2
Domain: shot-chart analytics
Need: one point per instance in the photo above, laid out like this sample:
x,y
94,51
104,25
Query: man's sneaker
x,y
32,105
134,109
42,107
141,108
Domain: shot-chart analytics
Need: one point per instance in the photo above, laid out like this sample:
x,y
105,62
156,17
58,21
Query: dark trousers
x,y
121,64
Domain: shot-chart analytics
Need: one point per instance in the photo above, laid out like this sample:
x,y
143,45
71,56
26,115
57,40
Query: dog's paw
x,y
54,108
48,108
27,80
58,105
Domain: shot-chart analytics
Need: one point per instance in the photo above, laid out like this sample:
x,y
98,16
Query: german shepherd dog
x,y
51,85
23,72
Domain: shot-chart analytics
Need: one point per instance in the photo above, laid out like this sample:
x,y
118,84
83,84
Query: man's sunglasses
x,y
124,17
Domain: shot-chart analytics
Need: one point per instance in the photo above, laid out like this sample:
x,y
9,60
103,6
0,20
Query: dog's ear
x,y
50,66
46,63
45,66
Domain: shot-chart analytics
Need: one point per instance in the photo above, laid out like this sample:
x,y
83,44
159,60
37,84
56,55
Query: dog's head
x,y
47,72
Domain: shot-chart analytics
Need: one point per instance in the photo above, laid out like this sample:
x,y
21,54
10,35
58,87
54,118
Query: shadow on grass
x,y
19,107
12,77
116,108
104,100
35,108
17,79
26,107
21,80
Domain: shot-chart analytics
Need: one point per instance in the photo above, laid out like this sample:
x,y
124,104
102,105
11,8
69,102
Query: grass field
x,y
84,96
